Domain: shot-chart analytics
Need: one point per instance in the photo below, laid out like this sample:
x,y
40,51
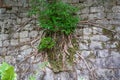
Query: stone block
x,y
83,46
96,9
24,34
14,10
16,35
24,47
3,36
85,53
110,15
6,43
26,52
95,38
104,22
113,15
85,11
1,43
2,10
100,63
14,42
28,27
97,16
116,9
103,38
1,59
113,62
4,16
24,39
10,59
103,53
97,30
115,53
84,16
3,51
114,22
117,74
95,45
33,34
87,31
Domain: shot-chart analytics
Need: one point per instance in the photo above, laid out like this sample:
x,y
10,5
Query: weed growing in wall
x,y
58,20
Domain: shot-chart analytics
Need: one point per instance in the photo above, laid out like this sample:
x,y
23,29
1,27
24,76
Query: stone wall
x,y
100,47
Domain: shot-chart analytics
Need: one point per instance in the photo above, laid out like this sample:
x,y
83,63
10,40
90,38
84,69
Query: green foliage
x,y
32,78
46,43
7,72
55,16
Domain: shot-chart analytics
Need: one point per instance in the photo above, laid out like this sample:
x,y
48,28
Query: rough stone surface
x,y
14,42
100,51
33,34
0,43
96,9
24,34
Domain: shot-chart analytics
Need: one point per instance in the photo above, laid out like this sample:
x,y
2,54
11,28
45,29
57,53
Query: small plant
x,y
59,20
7,72
32,77
55,16
46,43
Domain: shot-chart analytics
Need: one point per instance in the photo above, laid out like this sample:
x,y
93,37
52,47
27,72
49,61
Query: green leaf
x,y
7,72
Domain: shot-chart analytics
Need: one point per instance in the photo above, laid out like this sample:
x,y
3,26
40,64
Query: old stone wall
x,y
98,35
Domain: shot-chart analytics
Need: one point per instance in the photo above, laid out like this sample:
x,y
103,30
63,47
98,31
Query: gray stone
x,y
24,47
1,59
24,39
14,42
85,11
115,22
1,43
33,34
3,36
114,44
26,52
113,15
97,30
40,75
103,53
85,53
95,45
4,16
16,35
2,10
24,34
100,63
95,38
96,9
83,46
104,38
113,62
28,27
14,10
115,53
49,74
87,31
84,16
104,22
97,15
116,9
10,59
6,43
